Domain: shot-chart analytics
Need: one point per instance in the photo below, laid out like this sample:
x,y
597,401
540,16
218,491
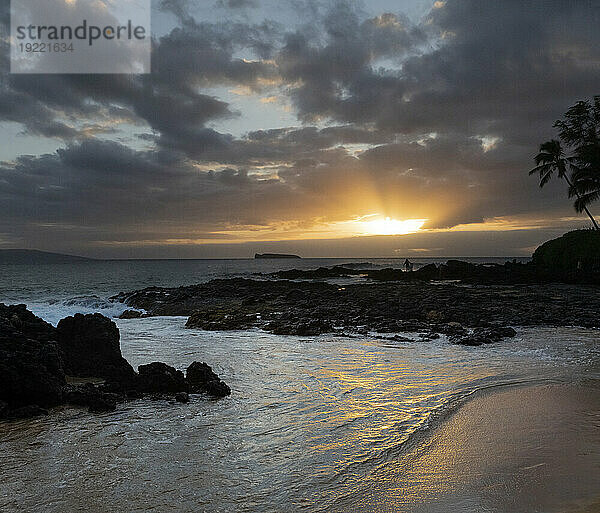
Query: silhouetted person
x,y
408,266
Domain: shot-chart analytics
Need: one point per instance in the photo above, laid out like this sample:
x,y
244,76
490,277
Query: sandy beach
x,y
518,449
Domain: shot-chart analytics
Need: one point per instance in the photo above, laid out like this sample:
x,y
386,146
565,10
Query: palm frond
x,y
545,179
539,169
549,159
586,199
543,158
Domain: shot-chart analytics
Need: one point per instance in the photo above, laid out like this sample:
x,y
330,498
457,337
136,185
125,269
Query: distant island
x,y
274,255
32,256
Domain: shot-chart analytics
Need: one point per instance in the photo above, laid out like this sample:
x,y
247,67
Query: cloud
x,y
237,4
168,101
95,188
394,117
335,68
508,72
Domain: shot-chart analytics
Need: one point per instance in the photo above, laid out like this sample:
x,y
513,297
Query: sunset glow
x,y
388,226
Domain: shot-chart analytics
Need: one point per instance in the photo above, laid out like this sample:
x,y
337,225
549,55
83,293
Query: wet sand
x,y
521,449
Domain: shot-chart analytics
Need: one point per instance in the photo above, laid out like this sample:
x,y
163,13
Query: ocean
x,y
311,422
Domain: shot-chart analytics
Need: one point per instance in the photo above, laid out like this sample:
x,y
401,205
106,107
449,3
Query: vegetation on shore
x,y
575,156
578,250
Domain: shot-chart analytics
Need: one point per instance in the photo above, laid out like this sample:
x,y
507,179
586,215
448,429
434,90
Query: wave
x,y
54,310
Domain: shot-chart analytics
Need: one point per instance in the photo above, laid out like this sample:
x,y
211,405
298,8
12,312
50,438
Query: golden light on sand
x,y
388,226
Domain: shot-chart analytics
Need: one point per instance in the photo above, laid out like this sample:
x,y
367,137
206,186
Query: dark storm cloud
x,y
286,145
337,76
495,71
314,138
180,8
97,185
237,4
494,67
448,113
501,68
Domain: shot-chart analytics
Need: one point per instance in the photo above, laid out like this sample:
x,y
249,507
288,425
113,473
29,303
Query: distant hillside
x,y
32,256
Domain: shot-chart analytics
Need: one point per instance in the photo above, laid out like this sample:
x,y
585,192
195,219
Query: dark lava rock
x,y
26,412
31,371
90,347
182,397
198,374
201,378
305,328
427,272
79,395
435,316
336,271
480,336
34,354
295,295
466,293
453,329
457,269
158,377
389,274
102,403
470,340
228,293
218,389
134,394
118,388
95,397
218,319
130,314
500,332
394,338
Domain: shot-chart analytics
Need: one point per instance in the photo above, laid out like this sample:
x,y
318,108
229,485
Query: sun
x,y
389,226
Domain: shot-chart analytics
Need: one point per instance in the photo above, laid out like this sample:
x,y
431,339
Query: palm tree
x,y
550,159
586,187
586,167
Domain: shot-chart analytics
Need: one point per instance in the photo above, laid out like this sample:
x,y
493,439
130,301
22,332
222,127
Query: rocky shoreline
x,y
304,303
509,273
80,363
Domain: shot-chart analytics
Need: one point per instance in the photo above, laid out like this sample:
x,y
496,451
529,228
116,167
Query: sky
x,y
318,127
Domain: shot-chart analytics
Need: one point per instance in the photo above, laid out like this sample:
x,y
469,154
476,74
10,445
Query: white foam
x,y
55,310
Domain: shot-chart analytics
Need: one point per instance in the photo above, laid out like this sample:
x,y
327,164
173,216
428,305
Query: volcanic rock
x,y
90,347
158,377
201,378
31,371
